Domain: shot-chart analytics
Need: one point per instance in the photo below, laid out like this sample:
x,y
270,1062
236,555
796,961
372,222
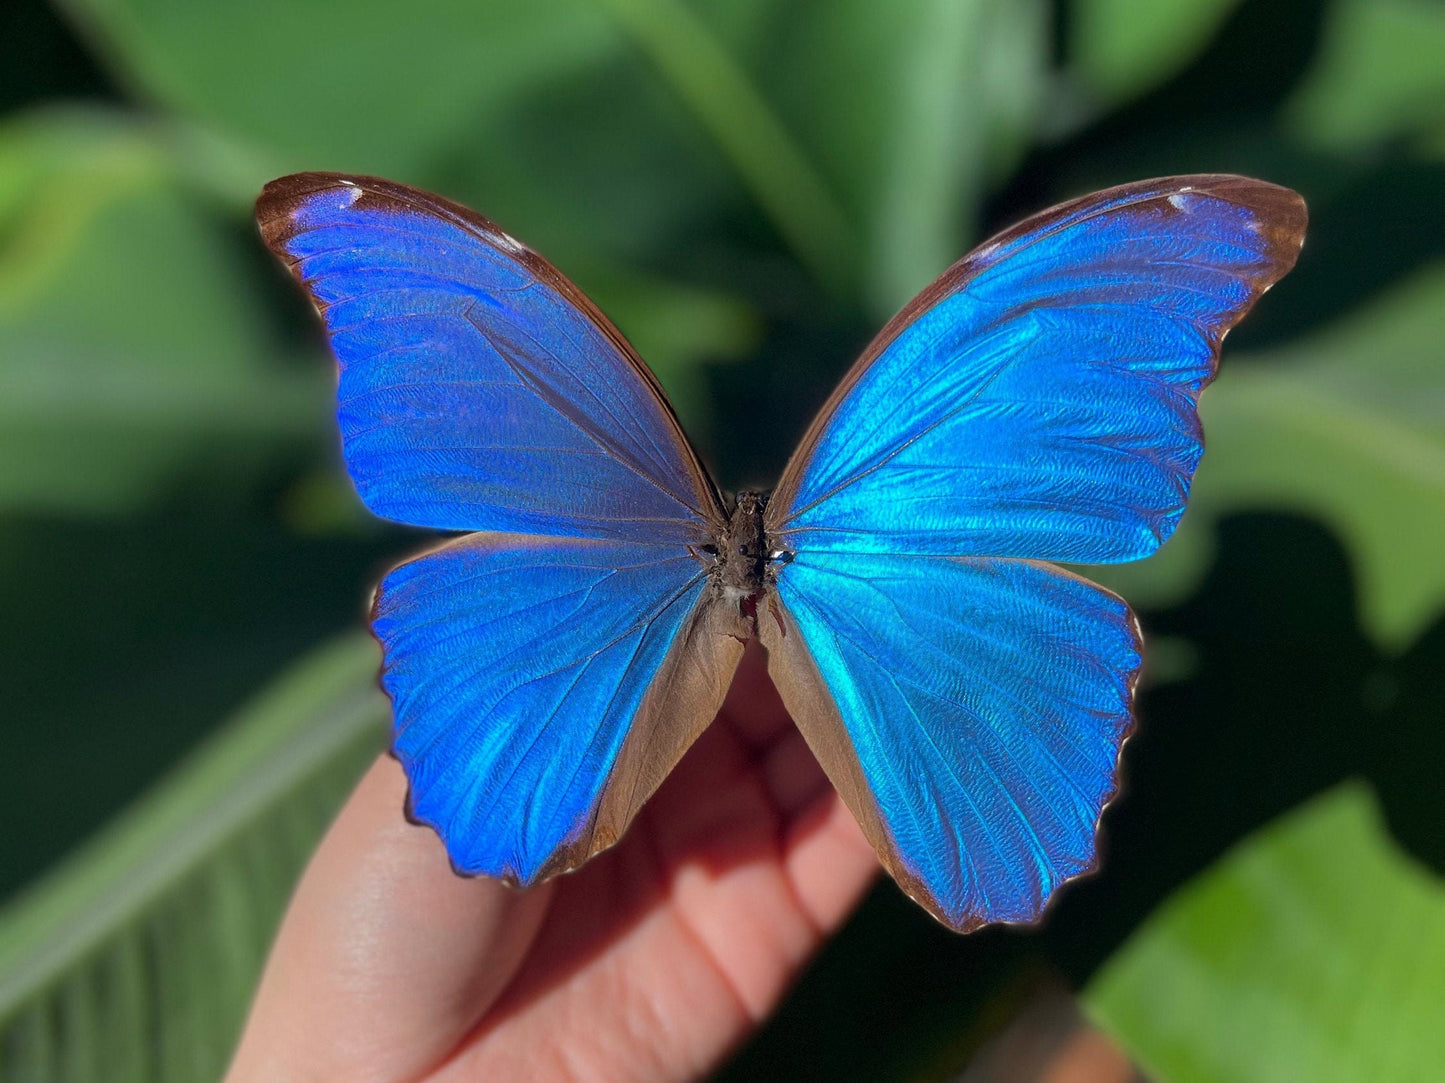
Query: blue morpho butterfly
x,y
968,699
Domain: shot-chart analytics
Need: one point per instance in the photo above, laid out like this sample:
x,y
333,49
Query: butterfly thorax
x,y
744,559
742,552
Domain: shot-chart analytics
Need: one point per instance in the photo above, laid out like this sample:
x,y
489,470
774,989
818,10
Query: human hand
x,y
650,963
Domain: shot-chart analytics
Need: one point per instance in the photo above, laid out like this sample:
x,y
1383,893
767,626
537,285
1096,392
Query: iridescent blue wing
x,y
1037,402
969,711
544,687
1039,399
479,389
547,673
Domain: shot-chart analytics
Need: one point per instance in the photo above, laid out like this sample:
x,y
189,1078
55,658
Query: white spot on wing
x,y
507,243
353,191
1178,202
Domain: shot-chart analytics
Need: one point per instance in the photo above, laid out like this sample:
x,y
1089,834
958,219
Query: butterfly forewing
x,y
1040,399
478,388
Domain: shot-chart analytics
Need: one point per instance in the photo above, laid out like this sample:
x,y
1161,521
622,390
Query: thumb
x,y
386,958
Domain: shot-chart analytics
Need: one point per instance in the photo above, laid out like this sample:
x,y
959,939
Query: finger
x,y
753,708
760,854
741,892
386,958
828,861
792,776
825,858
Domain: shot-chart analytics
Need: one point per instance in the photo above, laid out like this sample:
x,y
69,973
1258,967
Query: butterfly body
x,y
967,697
743,560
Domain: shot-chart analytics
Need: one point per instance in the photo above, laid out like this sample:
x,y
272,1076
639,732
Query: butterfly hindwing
x,y
542,689
479,389
970,711
1040,399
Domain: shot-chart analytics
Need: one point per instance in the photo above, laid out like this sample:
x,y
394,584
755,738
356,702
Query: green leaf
x,y
538,114
1313,950
1347,425
708,80
911,109
938,155
353,85
136,958
1379,76
134,346
1121,48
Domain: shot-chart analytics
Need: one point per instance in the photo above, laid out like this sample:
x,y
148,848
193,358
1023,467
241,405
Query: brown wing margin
x,y
805,694
684,698
279,200
1280,211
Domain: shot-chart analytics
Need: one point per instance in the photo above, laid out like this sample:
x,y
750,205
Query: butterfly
x,y
967,697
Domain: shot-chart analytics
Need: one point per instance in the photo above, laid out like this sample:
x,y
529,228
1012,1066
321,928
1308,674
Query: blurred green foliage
x,y
1310,951
114,383
147,941
749,187
1120,48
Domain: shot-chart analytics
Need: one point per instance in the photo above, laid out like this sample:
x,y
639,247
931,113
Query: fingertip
x,y
829,861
